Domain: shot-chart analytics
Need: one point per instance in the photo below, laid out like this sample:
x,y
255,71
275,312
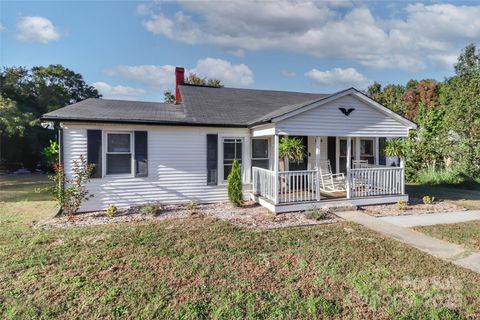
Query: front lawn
x,y
465,233
465,195
205,268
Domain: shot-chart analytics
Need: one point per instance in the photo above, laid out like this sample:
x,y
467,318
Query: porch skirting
x,y
323,204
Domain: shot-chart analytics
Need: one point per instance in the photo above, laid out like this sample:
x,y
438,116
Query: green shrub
x,y
428,200
111,211
432,176
235,186
150,209
192,206
402,205
316,214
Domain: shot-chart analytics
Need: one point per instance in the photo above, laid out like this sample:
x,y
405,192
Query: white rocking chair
x,y
330,182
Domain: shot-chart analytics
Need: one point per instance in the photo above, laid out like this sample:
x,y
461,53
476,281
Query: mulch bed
x,y
415,206
249,215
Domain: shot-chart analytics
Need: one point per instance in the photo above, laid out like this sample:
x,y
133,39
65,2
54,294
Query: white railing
x,y
297,186
264,183
376,181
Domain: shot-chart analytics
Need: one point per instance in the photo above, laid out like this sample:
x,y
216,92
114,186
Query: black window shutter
x,y
94,151
212,156
141,153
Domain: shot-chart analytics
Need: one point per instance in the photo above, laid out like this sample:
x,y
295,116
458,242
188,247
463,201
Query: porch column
x,y
402,175
276,146
357,148
376,147
317,165
349,156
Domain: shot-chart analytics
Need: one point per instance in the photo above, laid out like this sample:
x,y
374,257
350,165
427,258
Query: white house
x,y
171,153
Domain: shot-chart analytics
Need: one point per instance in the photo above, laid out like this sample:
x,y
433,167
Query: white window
x,y
119,153
232,150
367,150
260,153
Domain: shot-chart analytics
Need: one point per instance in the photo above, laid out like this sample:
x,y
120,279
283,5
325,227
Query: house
x,y
172,153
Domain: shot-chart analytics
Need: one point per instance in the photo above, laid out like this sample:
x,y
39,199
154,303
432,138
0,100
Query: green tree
x,y
235,186
34,92
168,96
199,81
468,62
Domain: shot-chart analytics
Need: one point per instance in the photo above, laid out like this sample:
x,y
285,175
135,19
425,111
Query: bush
x,y
235,186
150,209
402,205
192,206
316,214
111,211
432,176
428,200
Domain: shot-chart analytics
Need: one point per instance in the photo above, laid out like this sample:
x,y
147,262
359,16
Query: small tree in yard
x,y
235,187
71,192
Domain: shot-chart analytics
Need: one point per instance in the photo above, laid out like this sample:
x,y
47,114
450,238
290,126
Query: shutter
x,y
141,153
94,151
212,158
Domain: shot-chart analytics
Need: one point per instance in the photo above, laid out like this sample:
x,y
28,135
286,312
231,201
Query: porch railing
x,y
301,186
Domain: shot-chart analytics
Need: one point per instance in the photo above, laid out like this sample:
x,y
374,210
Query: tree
x,y
34,92
168,96
235,186
199,81
468,62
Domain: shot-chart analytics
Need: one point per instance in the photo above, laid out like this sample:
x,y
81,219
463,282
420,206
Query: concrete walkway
x,y
435,247
409,221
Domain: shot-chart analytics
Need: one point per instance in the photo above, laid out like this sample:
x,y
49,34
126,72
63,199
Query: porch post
x,y
357,148
349,156
317,165
276,146
376,147
402,175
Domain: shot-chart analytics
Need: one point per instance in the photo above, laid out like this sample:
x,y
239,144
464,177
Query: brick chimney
x,y
179,79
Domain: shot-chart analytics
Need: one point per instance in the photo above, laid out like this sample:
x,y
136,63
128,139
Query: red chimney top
x,y
179,79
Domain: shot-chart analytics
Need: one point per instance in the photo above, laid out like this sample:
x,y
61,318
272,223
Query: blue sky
x,y
128,49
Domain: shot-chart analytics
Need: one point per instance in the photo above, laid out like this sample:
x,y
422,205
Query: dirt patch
x,y
415,206
249,215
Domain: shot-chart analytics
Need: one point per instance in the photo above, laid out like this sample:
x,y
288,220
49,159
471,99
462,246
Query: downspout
x,y
60,161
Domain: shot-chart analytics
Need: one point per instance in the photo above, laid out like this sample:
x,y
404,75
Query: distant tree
x,y
425,92
168,96
199,81
468,62
374,89
34,92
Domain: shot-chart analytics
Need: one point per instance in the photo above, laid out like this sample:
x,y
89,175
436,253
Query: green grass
x,y
202,268
466,195
14,188
465,233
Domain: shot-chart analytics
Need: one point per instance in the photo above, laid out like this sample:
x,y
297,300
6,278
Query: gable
x,y
367,120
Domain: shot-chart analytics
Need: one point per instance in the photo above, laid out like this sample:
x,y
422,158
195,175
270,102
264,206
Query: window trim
x,y
106,152
268,151
221,164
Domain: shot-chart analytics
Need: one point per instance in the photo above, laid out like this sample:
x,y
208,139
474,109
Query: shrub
x,y
428,200
111,211
402,205
433,176
71,192
150,209
316,214
50,153
235,186
192,206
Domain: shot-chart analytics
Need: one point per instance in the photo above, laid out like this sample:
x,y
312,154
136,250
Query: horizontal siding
x,y
328,120
176,167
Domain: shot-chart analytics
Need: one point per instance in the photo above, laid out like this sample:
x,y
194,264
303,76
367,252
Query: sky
x,y
129,49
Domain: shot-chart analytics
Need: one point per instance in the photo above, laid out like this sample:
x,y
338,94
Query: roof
x,y
200,106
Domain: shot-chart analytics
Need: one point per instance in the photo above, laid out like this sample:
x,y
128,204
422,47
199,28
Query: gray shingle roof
x,y
200,106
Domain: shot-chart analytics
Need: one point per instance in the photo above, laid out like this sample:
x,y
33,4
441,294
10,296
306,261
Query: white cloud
x,y
321,29
162,77
230,74
339,77
2,27
118,92
36,29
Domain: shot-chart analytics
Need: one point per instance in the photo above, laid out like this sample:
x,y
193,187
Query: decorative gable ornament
x,y
346,111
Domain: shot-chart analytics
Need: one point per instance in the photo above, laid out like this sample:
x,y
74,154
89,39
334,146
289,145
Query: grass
x,y
14,188
200,268
465,233
466,195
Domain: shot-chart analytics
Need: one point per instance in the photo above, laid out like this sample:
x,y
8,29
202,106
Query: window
x,y
232,150
119,153
260,153
366,151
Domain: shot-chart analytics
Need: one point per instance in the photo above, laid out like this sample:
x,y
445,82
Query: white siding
x,y
176,166
328,120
